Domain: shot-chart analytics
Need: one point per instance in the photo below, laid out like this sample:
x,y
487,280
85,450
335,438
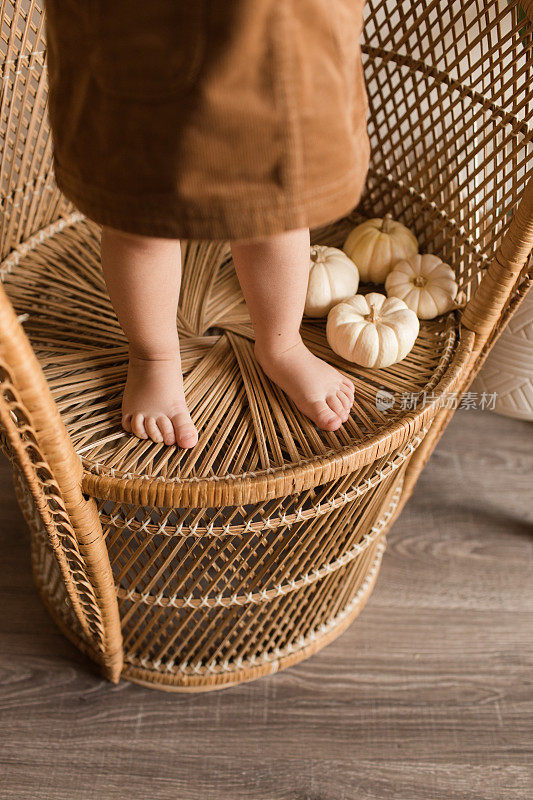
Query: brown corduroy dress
x,y
208,119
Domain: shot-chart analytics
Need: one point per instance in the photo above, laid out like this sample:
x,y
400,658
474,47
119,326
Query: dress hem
x,y
183,220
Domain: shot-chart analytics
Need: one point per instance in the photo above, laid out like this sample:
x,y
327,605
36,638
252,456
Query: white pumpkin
x,y
372,330
425,283
377,244
332,277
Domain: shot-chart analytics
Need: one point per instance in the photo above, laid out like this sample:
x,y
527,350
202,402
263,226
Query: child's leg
x,y
273,274
143,275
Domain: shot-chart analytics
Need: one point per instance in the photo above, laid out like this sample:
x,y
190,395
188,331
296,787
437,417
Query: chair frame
x,y
48,469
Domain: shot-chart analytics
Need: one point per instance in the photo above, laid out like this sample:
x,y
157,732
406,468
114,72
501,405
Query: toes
x,y
137,426
184,430
347,403
167,430
346,396
324,417
348,388
335,403
126,422
151,428
179,429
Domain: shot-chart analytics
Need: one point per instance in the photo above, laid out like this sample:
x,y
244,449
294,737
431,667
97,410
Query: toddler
x,y
242,120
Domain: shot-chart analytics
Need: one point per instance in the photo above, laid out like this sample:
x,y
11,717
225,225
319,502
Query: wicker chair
x,y
196,570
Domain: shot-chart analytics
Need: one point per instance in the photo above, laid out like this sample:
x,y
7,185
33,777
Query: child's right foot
x,y
153,405
315,387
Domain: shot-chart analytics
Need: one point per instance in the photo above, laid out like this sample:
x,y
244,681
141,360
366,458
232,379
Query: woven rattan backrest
x,y
29,198
451,96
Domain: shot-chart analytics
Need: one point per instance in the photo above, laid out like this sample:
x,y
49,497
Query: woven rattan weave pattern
x,y
196,570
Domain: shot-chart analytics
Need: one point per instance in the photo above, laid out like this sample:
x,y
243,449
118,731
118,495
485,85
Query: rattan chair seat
x,y
252,438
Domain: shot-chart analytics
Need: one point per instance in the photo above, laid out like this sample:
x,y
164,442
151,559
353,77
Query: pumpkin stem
x,y
386,224
373,315
420,280
314,254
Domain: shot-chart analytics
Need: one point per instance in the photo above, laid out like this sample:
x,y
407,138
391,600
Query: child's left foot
x,y
153,405
317,389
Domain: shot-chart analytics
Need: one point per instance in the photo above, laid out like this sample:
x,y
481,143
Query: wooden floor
x,y
429,694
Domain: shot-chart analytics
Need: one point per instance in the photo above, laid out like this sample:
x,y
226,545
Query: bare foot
x,y
318,389
153,405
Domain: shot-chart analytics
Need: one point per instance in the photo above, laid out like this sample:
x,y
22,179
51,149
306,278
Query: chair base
x,y
190,684
51,590
172,683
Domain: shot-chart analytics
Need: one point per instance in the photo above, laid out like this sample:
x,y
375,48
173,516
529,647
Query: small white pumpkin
x,y
372,330
332,277
425,283
377,244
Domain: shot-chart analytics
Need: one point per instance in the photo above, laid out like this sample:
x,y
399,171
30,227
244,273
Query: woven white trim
x,y
265,595
185,668
118,521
